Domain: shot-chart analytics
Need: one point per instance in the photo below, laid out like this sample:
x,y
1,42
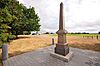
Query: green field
x,y
78,35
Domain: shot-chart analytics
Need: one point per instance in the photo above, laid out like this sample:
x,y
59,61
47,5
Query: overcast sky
x,y
79,15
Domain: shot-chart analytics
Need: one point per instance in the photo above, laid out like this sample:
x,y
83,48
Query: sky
x,y
79,15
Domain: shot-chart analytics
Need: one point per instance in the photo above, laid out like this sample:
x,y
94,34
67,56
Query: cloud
x,y
79,15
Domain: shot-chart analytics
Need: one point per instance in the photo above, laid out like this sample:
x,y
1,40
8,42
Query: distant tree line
x,y
15,18
79,33
48,33
71,33
83,33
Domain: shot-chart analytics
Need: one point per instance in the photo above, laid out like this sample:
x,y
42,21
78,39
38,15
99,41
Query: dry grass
x,y
84,43
28,44
31,43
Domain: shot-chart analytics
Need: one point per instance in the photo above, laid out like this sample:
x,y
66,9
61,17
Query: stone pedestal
x,y
62,49
66,58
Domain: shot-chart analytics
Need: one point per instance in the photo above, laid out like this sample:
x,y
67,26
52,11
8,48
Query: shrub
x,y
11,37
46,33
26,32
5,37
0,44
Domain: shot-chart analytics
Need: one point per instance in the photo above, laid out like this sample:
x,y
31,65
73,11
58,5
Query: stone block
x,y
66,58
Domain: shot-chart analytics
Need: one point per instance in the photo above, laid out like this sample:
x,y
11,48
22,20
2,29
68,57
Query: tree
x,y
30,20
46,33
27,20
98,32
16,18
5,20
17,11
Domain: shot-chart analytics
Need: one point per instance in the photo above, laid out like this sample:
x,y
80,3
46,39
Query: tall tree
x,y
5,20
16,18
27,20
31,20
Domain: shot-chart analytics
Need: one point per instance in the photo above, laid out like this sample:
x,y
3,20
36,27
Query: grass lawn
x,y
83,35
83,41
94,35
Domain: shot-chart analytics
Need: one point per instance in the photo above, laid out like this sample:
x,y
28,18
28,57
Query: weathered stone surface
x,y
61,47
66,58
61,39
4,51
61,24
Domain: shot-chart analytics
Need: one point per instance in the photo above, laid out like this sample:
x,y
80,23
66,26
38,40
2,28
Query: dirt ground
x,y
29,43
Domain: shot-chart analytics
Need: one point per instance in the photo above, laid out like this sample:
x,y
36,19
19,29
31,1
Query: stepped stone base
x,y
62,49
66,58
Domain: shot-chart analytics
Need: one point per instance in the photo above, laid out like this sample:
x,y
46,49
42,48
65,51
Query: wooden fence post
x,y
52,41
97,37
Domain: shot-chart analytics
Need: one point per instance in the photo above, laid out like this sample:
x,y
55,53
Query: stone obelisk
x,y
61,47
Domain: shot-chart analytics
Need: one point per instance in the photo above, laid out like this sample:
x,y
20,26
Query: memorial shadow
x,y
15,53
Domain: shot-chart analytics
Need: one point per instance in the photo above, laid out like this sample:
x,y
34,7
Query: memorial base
x,y
66,58
62,49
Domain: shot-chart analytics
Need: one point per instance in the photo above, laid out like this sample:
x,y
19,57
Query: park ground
x,y
26,43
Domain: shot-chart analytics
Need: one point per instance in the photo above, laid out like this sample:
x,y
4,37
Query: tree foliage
x,y
98,32
16,18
